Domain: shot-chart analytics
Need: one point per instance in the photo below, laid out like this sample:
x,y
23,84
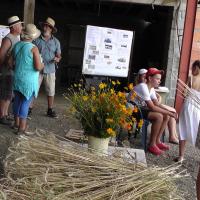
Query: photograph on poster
x,y
107,51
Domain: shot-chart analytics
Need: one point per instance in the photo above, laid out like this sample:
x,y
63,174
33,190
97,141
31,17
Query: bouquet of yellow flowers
x,y
103,111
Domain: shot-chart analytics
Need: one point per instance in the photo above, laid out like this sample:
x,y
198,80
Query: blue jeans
x,y
21,105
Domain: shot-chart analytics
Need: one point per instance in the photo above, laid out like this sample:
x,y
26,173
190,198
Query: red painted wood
x,y
186,48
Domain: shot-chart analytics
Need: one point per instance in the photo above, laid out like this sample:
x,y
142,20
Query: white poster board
x,y
107,51
4,30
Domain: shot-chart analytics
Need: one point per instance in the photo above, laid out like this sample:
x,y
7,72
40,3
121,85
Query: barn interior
x,y
150,23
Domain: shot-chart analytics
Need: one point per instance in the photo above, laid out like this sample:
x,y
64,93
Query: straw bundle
x,y
45,168
185,92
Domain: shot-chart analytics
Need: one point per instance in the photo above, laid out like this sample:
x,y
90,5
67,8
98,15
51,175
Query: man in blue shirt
x,y
49,47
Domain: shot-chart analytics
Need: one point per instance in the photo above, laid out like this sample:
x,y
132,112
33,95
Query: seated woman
x,y
173,138
27,61
152,109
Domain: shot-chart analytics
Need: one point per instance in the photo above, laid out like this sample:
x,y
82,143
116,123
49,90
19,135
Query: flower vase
x,y
98,145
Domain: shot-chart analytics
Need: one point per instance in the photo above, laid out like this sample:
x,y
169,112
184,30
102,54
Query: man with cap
x,y
152,109
49,47
6,74
141,76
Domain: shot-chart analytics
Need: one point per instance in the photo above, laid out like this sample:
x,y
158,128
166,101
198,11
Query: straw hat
x,y
14,20
30,32
50,22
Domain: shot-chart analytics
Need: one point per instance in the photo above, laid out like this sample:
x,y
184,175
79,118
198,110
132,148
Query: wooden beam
x,y
156,2
29,10
186,48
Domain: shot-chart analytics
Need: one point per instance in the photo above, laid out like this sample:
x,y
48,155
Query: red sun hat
x,y
154,71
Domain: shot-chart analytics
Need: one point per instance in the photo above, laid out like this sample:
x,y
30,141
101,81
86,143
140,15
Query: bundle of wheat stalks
x,y
44,167
186,91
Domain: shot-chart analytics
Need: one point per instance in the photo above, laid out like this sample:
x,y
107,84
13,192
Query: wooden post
x,y
29,10
186,48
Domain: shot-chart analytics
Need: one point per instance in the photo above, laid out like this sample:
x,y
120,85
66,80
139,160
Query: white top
x,y
143,94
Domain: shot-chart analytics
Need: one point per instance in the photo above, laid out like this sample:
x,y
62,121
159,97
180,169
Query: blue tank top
x,y
26,78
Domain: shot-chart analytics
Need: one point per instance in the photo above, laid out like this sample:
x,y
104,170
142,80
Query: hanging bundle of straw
x,y
46,168
184,91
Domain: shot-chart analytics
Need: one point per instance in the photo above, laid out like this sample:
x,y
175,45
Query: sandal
x,y
21,132
155,150
179,159
24,132
174,142
9,118
163,146
15,127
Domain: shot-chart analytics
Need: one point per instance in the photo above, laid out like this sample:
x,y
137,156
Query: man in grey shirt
x,y
49,47
6,74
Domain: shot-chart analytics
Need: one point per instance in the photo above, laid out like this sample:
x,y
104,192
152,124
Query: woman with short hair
x,y
28,63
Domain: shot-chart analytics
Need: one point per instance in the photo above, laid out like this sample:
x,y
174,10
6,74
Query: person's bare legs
x,y
4,105
22,124
172,126
6,108
16,121
198,185
50,111
162,128
172,130
50,100
32,103
3,108
180,158
182,144
156,120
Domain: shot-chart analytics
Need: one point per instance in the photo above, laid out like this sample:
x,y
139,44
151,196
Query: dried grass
x,y
185,92
47,168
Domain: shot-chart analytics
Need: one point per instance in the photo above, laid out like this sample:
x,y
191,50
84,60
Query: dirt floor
x,y
65,121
